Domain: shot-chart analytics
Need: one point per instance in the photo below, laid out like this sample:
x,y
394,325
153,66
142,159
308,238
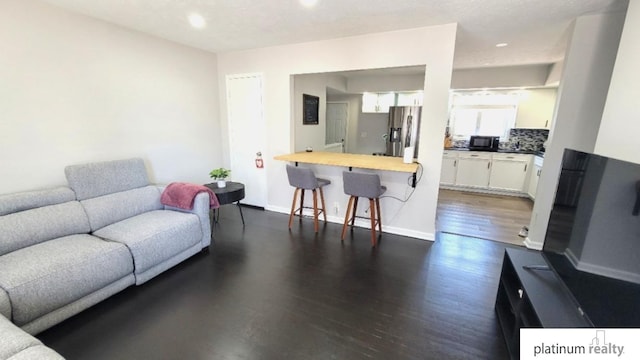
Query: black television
x,y
593,237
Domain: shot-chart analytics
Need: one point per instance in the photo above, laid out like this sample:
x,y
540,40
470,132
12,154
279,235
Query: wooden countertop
x,y
387,163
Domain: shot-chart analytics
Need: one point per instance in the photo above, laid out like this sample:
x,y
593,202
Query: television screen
x,y
593,237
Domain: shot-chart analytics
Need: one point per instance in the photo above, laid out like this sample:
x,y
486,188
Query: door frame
x,y
262,193
346,124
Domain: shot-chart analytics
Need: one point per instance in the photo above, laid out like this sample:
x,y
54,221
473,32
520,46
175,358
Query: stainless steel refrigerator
x,y
403,130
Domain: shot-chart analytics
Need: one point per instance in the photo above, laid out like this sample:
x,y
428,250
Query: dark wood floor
x,y
492,217
263,292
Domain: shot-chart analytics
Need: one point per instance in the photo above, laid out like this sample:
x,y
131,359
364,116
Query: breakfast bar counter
x,y
387,163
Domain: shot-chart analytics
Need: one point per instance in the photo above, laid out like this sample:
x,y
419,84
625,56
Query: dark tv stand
x,y
528,297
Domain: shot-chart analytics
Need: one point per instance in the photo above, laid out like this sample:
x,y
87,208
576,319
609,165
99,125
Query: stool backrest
x,y
301,178
363,185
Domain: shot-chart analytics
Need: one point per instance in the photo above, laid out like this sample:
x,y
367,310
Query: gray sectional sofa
x,y
63,250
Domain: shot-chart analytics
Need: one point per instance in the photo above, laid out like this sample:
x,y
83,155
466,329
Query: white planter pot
x,y
222,183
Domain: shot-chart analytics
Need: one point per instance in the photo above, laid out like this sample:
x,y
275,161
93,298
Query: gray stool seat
x,y
304,179
368,186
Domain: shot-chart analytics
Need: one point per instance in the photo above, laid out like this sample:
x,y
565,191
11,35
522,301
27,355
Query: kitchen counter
x,y
388,163
503,151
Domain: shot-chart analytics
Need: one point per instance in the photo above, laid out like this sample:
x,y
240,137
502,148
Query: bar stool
x,y
304,179
367,186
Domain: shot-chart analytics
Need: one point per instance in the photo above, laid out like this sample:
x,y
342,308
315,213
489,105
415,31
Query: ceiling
x,y
536,30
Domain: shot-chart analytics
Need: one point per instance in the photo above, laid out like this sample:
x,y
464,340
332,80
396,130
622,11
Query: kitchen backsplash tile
x,y
527,139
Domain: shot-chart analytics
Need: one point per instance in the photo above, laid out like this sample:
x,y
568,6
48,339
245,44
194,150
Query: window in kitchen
x,y
482,113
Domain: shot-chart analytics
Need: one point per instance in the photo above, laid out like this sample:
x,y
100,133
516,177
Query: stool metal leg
x,y
315,210
379,215
346,217
355,210
324,207
293,207
373,222
301,203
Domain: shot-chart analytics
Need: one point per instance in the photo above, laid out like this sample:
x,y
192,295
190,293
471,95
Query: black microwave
x,y
484,143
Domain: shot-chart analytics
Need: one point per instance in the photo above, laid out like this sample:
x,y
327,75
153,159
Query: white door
x,y
247,135
337,117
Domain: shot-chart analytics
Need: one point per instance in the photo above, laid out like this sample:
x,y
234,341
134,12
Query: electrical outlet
x,y
336,207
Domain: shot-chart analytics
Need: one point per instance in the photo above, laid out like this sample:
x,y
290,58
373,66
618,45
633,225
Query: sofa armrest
x,y
201,210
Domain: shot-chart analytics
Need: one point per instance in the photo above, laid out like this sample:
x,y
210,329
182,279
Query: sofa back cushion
x,y
29,227
15,202
108,177
108,209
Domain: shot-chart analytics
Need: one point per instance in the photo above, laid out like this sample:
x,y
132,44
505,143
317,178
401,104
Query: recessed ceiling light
x,y
308,3
197,21
501,44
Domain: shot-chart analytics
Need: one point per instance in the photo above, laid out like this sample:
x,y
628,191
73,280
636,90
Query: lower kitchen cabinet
x,y
474,169
509,172
535,176
449,168
500,173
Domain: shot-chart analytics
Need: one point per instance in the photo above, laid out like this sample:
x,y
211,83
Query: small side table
x,y
233,192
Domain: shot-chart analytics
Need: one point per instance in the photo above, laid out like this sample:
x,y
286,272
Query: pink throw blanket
x,y
181,195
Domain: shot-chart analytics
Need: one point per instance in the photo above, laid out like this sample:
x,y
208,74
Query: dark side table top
x,y
234,191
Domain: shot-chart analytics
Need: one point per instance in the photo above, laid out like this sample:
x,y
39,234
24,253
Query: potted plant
x,y
220,174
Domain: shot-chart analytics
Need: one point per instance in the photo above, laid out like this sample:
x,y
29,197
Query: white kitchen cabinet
x,y
535,108
474,169
410,98
449,168
535,176
509,172
377,102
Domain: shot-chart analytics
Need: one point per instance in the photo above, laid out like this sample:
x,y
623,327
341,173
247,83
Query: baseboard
x,y
367,224
532,244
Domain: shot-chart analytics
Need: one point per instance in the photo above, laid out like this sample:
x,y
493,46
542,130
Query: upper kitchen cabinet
x,y
536,108
410,98
377,102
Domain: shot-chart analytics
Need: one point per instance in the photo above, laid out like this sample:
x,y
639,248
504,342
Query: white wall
x,y
435,49
498,77
555,74
74,89
385,83
371,127
617,137
585,81
313,136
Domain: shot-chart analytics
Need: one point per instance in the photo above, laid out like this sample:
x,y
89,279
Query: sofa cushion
x,y
13,339
155,236
5,304
16,344
21,201
29,227
44,277
38,352
102,178
108,209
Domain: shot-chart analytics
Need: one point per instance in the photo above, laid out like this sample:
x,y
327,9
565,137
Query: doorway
x,y
247,134
336,131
